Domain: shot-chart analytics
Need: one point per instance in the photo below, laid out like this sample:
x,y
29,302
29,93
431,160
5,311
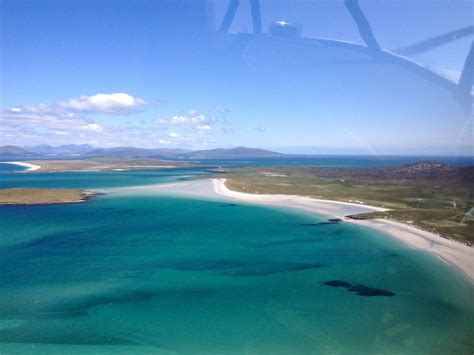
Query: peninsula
x,y
34,196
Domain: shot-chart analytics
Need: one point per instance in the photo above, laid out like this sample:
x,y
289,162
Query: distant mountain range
x,y
87,151
11,150
132,152
61,149
238,152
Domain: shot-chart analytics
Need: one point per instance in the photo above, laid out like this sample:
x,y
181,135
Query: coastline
x,y
28,166
453,253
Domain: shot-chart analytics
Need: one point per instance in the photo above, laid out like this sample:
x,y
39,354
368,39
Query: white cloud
x,y
115,103
69,122
118,103
196,122
179,120
93,127
204,128
191,117
192,122
66,118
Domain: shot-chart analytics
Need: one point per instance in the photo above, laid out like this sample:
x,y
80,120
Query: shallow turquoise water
x,y
94,180
5,168
137,274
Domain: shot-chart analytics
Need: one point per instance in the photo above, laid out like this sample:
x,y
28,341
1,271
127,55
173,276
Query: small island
x,y
33,196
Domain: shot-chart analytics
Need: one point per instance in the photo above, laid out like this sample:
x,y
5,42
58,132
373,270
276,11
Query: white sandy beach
x,y
30,167
449,251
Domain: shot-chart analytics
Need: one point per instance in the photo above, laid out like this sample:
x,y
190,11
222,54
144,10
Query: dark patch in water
x,y
201,265
118,210
286,241
365,291
269,268
334,220
229,205
360,290
58,243
238,267
337,283
54,241
315,224
115,209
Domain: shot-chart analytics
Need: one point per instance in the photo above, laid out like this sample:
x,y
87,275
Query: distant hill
x,y
238,152
87,151
14,151
61,149
132,152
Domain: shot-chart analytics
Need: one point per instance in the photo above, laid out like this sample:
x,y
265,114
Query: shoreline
x,y
28,166
453,253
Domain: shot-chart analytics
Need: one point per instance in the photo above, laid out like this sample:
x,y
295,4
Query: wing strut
x,y
465,81
362,24
232,9
229,15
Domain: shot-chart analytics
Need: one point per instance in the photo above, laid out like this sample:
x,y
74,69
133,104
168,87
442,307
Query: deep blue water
x,y
348,161
96,179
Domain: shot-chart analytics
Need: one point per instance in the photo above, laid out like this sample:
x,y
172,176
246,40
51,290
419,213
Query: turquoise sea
x,y
130,274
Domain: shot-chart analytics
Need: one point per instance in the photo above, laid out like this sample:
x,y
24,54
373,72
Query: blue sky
x,y
156,74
